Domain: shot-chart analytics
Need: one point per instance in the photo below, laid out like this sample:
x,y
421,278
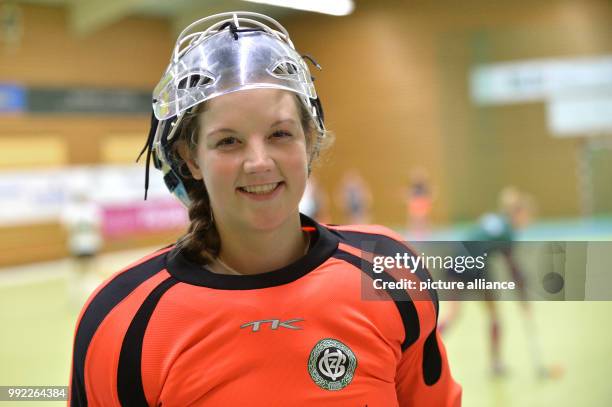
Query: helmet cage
x,y
233,54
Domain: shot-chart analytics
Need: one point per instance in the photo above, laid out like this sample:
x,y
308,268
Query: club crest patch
x,y
331,364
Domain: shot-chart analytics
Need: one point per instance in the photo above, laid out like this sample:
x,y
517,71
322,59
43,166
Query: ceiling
x,y
88,16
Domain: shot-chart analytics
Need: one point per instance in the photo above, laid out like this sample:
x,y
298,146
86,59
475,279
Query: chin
x,y
269,220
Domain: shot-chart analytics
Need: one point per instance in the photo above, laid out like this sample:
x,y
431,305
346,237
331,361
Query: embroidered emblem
x,y
331,364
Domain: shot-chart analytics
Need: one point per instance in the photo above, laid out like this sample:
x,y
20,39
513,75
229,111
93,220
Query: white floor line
x,y
35,273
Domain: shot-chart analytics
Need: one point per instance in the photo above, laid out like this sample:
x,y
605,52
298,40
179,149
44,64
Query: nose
x,y
258,158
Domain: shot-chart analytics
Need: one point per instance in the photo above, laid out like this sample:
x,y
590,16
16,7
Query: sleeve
x,y
76,390
101,346
106,362
423,375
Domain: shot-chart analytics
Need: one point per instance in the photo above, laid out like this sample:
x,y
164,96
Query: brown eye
x,y
227,141
281,134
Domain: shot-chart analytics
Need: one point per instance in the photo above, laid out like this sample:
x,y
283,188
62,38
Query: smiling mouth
x,y
260,189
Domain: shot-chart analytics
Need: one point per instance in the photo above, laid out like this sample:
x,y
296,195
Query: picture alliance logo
x,y
332,364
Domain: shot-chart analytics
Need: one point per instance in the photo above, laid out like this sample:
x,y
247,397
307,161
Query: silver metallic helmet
x,y
217,55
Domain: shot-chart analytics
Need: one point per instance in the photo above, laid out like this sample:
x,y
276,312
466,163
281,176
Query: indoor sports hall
x,y
453,121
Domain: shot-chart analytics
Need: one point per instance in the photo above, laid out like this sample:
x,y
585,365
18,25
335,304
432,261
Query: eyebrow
x,y
228,130
224,130
276,123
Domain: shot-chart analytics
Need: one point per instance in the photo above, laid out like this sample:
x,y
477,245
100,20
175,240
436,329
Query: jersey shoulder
x,y
120,284
375,239
365,232
105,304
363,243
141,268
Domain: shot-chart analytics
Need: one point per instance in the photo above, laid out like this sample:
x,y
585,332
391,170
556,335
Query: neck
x,y
254,251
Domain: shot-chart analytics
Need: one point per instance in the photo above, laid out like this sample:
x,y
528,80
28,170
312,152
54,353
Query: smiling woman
x,y
250,174
246,308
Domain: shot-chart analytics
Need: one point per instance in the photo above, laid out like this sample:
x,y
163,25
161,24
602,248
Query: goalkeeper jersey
x,y
169,332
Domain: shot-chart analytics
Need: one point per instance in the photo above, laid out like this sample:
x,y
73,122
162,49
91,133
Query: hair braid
x,y
201,242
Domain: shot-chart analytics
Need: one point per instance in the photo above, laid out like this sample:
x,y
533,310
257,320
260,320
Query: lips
x,y
260,189
261,192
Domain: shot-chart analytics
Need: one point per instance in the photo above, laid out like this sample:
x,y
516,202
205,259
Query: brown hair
x,y
201,243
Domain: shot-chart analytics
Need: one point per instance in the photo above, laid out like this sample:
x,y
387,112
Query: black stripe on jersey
x,y
432,360
129,375
323,245
401,299
101,305
385,246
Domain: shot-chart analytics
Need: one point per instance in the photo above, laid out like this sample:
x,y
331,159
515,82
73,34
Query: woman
x,y
256,304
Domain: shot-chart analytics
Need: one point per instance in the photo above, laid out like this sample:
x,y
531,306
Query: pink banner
x,y
141,217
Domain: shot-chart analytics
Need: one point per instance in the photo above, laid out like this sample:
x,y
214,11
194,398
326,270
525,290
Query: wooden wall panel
x,y
30,151
48,241
129,54
395,87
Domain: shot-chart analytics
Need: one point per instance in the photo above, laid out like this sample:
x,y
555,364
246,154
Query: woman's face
x,y
252,157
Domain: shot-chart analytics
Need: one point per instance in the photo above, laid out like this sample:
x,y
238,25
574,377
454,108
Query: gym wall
x,y
130,54
396,92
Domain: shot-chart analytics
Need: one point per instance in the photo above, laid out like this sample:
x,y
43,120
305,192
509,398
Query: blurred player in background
x,y
81,218
354,197
256,304
419,201
314,202
495,234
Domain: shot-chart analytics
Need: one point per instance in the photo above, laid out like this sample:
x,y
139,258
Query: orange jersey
x,y
168,332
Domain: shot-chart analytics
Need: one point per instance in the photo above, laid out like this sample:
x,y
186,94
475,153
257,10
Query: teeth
x,y
260,189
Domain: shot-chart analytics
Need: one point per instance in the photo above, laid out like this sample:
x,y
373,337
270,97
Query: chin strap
x,y
312,61
148,147
316,102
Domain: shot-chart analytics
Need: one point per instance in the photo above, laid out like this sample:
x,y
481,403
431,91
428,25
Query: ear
x,y
186,156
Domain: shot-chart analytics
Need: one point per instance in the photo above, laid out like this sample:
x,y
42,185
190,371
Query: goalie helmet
x,y
214,56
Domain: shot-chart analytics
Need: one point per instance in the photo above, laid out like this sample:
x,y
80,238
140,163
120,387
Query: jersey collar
x,y
323,244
